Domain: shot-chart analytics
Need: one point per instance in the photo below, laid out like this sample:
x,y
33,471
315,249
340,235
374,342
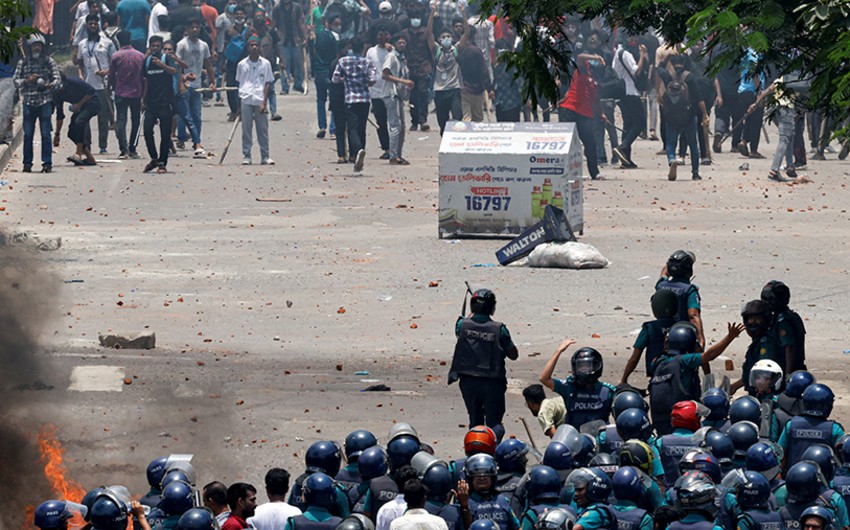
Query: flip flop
x,y
74,160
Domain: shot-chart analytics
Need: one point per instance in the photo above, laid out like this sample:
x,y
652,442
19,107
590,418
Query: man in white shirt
x,y
377,54
631,106
158,9
417,517
254,76
274,514
93,58
196,54
390,511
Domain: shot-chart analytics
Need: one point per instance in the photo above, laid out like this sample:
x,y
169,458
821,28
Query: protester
x,y
396,93
125,80
37,77
158,103
255,77
94,57
357,74
195,53
85,105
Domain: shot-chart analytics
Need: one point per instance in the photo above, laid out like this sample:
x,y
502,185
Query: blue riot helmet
x,y
554,519
745,408
743,435
798,382
680,264
804,482
587,451
323,456
696,493
108,512
842,450
762,457
177,498
173,476
720,446
438,480
401,450
823,456
701,460
511,455
197,519
754,492
484,524
480,465
319,490
558,456
681,339
717,402
155,471
372,463
628,399
543,483
825,515
633,423
356,521
88,501
356,442
55,514
627,484
818,400
599,486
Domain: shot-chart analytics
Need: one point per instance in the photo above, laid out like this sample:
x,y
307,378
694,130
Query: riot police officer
x,y
435,476
696,496
762,458
154,474
54,515
717,402
753,496
355,443
787,326
811,426
757,317
628,492
319,497
650,340
592,490
479,362
543,490
479,499
321,457
676,276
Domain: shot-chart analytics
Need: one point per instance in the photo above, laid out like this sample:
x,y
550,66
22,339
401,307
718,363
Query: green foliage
x,y
12,12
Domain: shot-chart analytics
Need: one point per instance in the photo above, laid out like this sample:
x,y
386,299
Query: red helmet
x,y
685,415
479,439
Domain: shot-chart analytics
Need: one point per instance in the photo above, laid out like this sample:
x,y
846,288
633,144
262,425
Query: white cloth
x,y
389,512
94,56
272,516
193,54
153,22
252,77
377,55
620,69
393,64
419,519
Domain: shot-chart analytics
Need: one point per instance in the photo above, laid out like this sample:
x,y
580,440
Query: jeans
x,y
419,99
104,118
799,141
250,115
447,102
164,114
42,113
355,116
752,126
380,113
395,122
786,120
633,122
188,107
323,83
339,118
230,81
607,107
690,132
121,106
587,134
652,108
79,130
294,61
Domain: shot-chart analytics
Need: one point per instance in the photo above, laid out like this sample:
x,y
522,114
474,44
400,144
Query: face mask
x,y
36,55
351,53
231,8
415,22
446,42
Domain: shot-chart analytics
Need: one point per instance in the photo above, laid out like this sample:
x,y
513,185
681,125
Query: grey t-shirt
x,y
447,71
392,64
194,54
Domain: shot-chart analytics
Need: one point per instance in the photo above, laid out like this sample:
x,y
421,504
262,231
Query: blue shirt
x,y
747,80
593,517
695,518
133,15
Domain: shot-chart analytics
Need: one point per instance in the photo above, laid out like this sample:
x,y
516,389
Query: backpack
x,y
676,101
641,81
236,47
609,83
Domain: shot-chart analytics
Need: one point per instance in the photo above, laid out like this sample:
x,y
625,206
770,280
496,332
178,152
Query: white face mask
x,y
36,55
415,22
446,42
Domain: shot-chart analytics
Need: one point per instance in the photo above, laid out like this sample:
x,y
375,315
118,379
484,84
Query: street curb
x,y
7,150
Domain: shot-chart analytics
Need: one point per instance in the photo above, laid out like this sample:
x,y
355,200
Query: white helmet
x,y
768,373
36,37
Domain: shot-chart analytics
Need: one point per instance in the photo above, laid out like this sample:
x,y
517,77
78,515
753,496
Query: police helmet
x,y
177,498
717,402
173,476
438,480
732,479
318,490
636,453
558,456
483,301
682,339
818,400
323,456
480,439
88,501
587,449
842,450
51,514
197,519
680,264
696,493
627,484
822,512
798,382
555,519
402,429
754,492
36,38
587,365
762,457
766,375
628,399
606,462
356,521
356,442
511,455
743,434
480,465
598,485
155,471
543,483
823,456
720,446
633,423
401,450
686,415
484,524
745,408
757,307
701,460
107,513
804,482
664,303
372,463
776,294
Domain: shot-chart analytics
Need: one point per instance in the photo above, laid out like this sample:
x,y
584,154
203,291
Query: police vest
x,y
347,478
613,441
478,351
630,519
699,525
804,431
584,405
791,319
666,389
767,412
301,522
495,509
357,496
514,490
673,448
383,490
841,484
295,496
682,290
151,499
533,514
789,405
762,519
790,513
447,512
656,331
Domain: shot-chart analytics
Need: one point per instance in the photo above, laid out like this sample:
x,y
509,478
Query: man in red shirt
x,y
578,107
242,499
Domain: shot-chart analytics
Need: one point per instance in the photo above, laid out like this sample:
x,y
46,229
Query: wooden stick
x,y
527,430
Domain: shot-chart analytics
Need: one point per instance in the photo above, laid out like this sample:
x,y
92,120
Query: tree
x,y
12,12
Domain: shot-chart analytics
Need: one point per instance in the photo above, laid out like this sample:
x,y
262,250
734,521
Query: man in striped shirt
x,y
357,73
